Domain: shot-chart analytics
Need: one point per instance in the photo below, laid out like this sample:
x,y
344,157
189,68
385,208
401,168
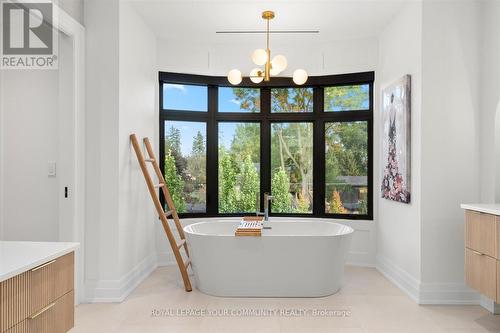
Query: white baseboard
x,y
115,291
447,293
398,276
489,305
426,293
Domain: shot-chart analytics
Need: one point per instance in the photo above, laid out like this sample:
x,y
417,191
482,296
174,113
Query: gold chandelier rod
x,y
268,16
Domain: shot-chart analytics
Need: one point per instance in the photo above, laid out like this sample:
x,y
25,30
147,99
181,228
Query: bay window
x,y
310,146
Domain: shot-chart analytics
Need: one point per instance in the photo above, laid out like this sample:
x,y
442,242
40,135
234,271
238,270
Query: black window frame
x,y
318,117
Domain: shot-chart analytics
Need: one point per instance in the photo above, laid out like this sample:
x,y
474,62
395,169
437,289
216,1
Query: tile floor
x,y
371,304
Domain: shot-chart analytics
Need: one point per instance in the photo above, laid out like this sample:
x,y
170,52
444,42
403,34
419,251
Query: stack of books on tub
x,y
249,226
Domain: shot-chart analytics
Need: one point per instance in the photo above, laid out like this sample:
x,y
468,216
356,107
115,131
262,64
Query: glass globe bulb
x,y
234,77
274,71
299,76
259,57
254,75
279,63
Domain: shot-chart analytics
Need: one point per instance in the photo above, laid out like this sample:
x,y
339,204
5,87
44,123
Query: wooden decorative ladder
x,y
164,216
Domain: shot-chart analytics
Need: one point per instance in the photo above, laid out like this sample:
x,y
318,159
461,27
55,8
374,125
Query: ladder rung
x,y
169,213
159,185
151,160
187,263
181,243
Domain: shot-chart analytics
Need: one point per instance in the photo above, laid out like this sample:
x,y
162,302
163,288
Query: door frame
x,y
74,230
496,153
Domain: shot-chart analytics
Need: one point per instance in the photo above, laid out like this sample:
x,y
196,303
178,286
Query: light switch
x,y
52,169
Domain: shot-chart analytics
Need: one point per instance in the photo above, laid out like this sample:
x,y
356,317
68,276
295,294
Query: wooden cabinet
x,y
498,281
50,281
14,300
57,317
482,253
480,231
40,300
498,237
480,273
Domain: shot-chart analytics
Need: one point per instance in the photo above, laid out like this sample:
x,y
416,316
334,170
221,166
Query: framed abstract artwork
x,y
396,141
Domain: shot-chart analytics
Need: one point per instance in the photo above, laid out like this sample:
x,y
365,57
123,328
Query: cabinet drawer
x,y
22,327
57,317
481,273
50,281
480,232
14,301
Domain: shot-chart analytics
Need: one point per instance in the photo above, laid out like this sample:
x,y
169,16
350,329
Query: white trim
x,y
1,156
447,293
426,293
115,291
398,276
72,28
489,305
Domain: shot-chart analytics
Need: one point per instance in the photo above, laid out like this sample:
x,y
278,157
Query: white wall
x,y
121,98
420,246
337,57
398,224
29,130
102,273
450,140
138,114
490,99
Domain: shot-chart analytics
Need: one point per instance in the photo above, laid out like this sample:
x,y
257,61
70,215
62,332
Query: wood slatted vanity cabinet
x,y
482,249
37,287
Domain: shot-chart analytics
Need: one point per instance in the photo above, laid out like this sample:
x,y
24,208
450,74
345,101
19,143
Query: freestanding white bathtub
x,y
293,259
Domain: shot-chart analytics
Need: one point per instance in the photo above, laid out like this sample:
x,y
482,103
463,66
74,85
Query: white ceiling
x,y
197,21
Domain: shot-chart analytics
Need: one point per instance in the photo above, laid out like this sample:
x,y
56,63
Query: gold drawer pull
x,y
44,265
477,253
42,310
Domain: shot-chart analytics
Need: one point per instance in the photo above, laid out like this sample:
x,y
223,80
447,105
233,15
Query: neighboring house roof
x,y
353,180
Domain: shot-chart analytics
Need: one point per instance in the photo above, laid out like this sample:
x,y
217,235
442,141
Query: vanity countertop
x,y
19,257
493,209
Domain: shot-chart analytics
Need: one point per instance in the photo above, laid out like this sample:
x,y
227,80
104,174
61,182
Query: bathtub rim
x,y
188,228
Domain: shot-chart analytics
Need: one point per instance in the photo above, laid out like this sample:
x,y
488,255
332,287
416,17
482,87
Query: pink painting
x,y
396,141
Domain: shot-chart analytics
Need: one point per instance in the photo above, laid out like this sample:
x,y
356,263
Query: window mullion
x,y
212,153
265,144
319,154
161,151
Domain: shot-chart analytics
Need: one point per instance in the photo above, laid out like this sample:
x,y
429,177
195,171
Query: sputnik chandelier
x,y
262,57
